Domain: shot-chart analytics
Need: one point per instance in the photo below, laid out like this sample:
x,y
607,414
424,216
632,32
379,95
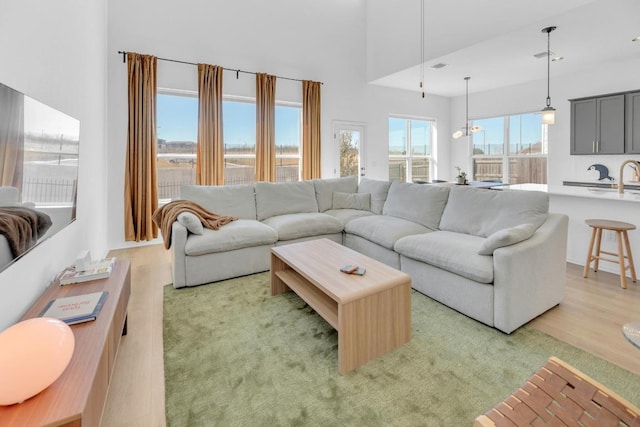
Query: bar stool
x,y
621,229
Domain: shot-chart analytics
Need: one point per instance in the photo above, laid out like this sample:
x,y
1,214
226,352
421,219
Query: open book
x,y
97,270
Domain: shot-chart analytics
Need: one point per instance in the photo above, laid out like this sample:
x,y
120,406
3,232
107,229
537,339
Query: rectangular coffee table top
x,y
319,261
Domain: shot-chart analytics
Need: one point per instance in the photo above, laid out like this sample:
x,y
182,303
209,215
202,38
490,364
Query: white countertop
x,y
573,191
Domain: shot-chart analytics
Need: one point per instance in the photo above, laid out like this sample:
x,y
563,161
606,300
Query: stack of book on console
x,y
75,309
97,270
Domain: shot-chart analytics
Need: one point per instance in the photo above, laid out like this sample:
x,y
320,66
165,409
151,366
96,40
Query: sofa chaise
x,y
495,256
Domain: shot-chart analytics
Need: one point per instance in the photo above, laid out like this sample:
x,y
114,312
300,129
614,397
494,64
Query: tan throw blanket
x,y
166,215
22,227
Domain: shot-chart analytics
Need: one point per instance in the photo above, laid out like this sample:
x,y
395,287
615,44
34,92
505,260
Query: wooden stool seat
x,y
560,395
620,229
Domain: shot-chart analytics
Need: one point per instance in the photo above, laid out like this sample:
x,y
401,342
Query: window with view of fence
x,y
410,142
48,191
511,149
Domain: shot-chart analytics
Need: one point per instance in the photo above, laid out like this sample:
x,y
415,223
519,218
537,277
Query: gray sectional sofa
x,y
496,256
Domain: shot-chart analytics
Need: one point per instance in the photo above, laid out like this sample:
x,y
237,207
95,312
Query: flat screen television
x,y
39,153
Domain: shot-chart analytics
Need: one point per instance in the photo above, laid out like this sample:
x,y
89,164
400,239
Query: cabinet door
x,y
583,126
610,122
633,123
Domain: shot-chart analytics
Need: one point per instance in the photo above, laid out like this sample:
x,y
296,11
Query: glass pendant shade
x,y
548,116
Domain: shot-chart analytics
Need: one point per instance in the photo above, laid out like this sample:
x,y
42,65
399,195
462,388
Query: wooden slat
x,y
558,394
320,302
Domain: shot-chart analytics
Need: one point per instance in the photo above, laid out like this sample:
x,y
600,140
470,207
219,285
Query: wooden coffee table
x,y
372,313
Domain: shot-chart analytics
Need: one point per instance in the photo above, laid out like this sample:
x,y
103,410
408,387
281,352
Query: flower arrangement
x,y
461,178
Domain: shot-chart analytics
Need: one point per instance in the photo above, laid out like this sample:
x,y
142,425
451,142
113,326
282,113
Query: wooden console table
x,y
77,398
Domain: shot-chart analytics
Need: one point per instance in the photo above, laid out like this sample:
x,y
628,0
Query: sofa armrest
x,y
178,243
529,277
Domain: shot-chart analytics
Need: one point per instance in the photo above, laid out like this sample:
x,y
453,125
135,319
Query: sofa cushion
x,y
453,252
416,202
325,188
283,198
346,215
506,237
482,212
190,222
233,200
378,191
383,230
359,201
299,225
239,234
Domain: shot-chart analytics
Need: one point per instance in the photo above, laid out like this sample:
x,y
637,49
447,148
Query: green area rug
x,y
235,356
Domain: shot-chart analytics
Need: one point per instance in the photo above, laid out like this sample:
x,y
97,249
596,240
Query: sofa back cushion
x,y
482,212
326,187
358,201
234,200
419,203
285,198
378,191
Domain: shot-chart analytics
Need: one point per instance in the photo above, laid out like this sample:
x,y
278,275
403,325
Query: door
x,y
349,139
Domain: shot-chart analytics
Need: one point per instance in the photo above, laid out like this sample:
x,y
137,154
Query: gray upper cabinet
x,y
633,122
598,125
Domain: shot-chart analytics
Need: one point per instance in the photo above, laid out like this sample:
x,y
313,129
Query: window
x,y
410,142
177,128
288,142
239,135
511,149
50,164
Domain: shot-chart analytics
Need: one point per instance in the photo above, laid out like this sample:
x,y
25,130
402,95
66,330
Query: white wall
x,y
54,52
607,78
305,39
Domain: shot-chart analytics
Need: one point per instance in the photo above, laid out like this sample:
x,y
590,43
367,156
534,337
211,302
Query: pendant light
x,y
422,47
548,112
466,130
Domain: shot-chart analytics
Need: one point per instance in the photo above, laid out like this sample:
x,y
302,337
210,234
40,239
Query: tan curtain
x,y
210,160
265,127
140,179
11,137
311,129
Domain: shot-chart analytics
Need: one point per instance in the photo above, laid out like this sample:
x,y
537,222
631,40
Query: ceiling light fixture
x,y
466,130
422,46
548,112
637,39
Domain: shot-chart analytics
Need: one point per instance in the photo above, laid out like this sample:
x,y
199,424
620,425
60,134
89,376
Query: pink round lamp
x,y
33,354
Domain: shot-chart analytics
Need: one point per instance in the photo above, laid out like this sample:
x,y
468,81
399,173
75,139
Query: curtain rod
x,y
237,71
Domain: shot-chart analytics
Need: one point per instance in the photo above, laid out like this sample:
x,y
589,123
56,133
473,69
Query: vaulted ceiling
x,y
494,41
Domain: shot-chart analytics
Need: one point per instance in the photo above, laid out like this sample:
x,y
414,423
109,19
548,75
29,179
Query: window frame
x,y
409,156
507,155
191,158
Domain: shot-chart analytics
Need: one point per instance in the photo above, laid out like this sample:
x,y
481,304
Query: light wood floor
x,y
590,317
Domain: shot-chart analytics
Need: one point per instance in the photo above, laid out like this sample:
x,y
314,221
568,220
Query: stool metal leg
x,y
629,256
587,264
623,270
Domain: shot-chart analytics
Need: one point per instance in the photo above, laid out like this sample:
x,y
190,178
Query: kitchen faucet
x,y
621,176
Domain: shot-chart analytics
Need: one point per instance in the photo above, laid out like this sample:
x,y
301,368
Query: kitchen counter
x,y
581,203
630,195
